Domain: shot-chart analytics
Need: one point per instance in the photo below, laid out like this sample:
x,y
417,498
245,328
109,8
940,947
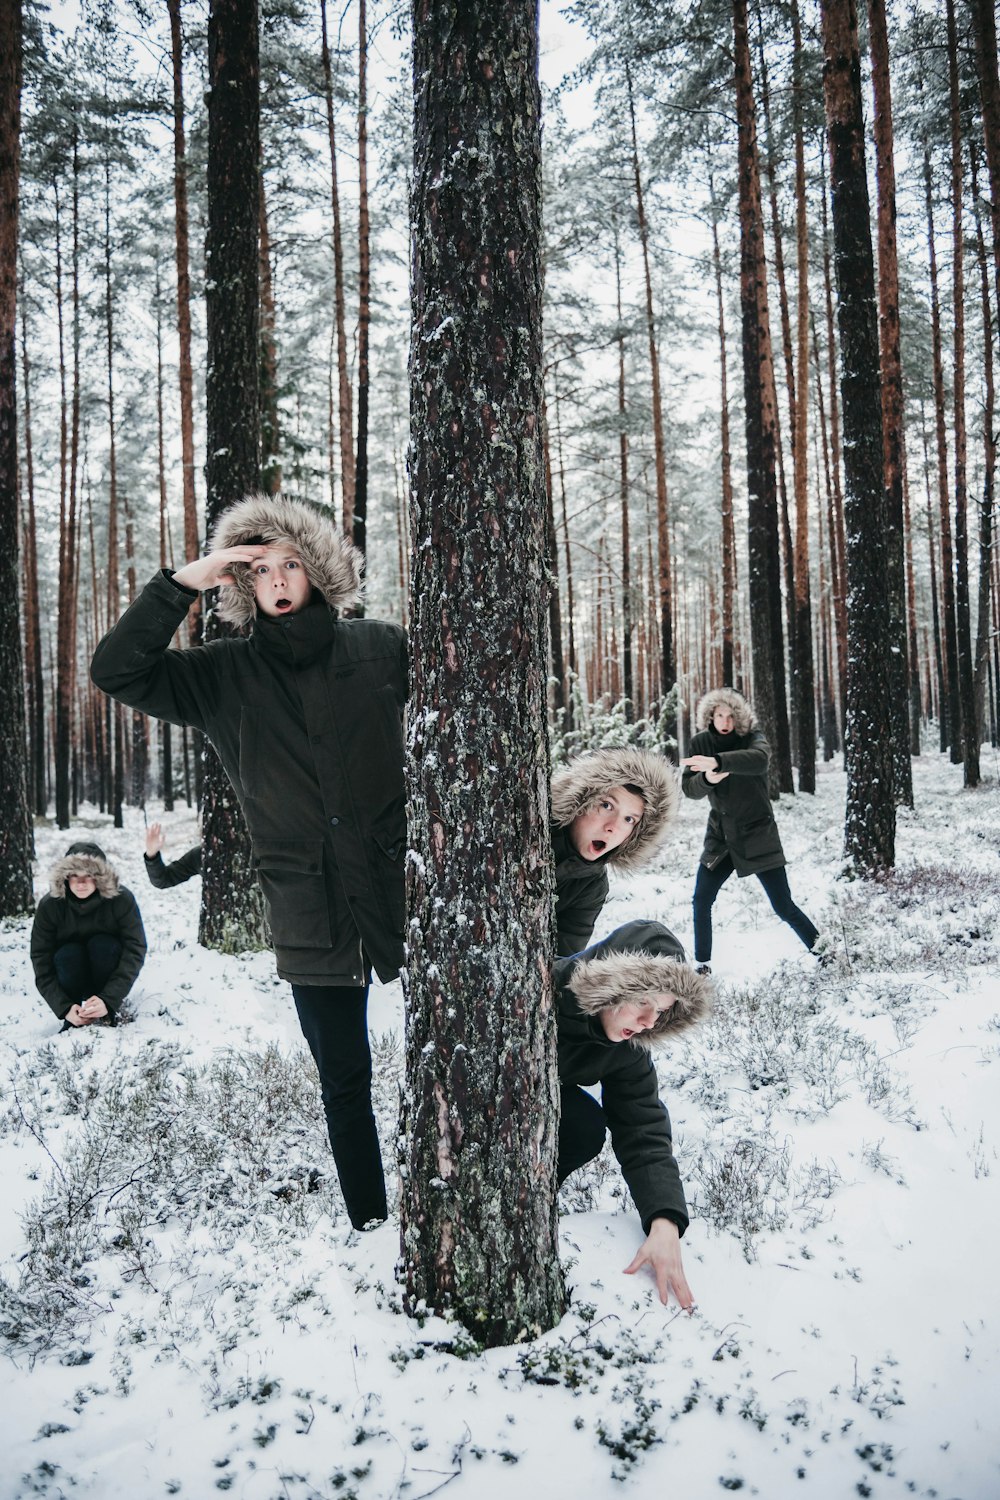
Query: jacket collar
x,y
298,640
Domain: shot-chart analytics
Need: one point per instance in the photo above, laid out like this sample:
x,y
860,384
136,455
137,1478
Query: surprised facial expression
x,y
622,1022
723,721
280,583
607,824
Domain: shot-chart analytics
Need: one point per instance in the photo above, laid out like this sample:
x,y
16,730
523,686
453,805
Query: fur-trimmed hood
x,y
84,859
579,785
639,959
332,563
725,697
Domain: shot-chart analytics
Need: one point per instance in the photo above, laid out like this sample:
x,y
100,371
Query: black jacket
x,y
165,876
630,1092
581,891
65,919
306,715
741,822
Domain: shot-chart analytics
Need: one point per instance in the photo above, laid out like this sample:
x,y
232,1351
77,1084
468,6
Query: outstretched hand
x,y
208,572
707,765
661,1250
155,840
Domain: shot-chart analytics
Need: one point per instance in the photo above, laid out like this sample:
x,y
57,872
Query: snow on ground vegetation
x,y
185,1309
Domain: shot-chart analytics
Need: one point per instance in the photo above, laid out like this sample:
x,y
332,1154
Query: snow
x,y
194,1313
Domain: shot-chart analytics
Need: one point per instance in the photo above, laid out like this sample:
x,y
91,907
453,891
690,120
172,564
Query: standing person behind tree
x,y
166,876
610,810
616,1003
87,939
306,714
728,765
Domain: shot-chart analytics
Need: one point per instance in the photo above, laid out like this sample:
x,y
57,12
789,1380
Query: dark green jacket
x,y
69,920
630,1091
165,876
581,891
306,715
741,822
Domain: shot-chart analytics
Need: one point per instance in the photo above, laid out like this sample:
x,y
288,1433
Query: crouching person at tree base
x,y
87,939
728,765
610,810
616,1002
306,714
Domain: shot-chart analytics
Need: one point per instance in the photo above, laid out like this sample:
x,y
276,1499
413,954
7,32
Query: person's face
x,y
723,721
607,824
280,583
82,886
626,1021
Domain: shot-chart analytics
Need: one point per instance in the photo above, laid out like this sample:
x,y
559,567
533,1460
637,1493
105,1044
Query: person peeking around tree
x,y
617,1003
611,810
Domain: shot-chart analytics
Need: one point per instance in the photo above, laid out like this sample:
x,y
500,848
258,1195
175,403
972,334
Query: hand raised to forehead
x,y
208,572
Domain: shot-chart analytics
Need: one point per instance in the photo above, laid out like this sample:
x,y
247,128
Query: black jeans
x,y
82,968
334,1022
582,1129
709,883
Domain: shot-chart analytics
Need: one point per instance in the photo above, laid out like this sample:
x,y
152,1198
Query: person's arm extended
x,y
641,1139
752,760
135,665
661,1251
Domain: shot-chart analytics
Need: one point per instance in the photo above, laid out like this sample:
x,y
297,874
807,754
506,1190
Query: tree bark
x,y
360,526
726,457
989,456
628,685
343,383
481,1099
801,643
37,768
15,825
892,399
871,810
270,432
231,909
759,398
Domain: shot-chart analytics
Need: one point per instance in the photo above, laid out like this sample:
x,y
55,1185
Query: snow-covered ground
x,y
187,1310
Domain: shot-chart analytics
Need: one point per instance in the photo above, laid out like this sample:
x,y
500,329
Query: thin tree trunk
x,y
726,458
668,669
182,257
15,824
838,541
360,528
801,643
892,399
570,607
871,811
989,456
557,676
37,778
627,679
270,432
166,767
344,384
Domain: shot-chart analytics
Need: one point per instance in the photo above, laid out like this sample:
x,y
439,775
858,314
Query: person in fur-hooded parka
x,y
728,764
617,1002
87,939
306,714
611,809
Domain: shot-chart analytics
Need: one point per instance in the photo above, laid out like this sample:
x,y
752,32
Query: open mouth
x,y
282,605
598,845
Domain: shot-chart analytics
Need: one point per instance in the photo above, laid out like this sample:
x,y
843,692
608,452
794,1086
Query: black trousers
x,y
334,1022
709,883
82,968
582,1129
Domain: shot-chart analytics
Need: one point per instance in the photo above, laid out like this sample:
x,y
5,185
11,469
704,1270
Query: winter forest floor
x,y
188,1312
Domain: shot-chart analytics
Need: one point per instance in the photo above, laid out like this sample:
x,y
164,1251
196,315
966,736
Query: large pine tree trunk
x,y
15,824
231,909
759,399
481,1099
871,810
892,398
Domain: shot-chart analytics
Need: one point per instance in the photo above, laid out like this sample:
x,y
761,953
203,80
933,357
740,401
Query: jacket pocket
x,y
291,877
760,838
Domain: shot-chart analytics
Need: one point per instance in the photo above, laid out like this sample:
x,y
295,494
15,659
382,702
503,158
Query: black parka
x,y
61,917
582,888
630,1091
741,822
306,716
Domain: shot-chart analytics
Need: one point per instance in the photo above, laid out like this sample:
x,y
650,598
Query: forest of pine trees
x,y
771,252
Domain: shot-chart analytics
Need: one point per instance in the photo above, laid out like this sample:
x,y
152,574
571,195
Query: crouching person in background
x,y
617,1002
87,940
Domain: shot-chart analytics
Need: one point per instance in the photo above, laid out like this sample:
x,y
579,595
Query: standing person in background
x,y
87,939
728,765
610,810
306,714
164,876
